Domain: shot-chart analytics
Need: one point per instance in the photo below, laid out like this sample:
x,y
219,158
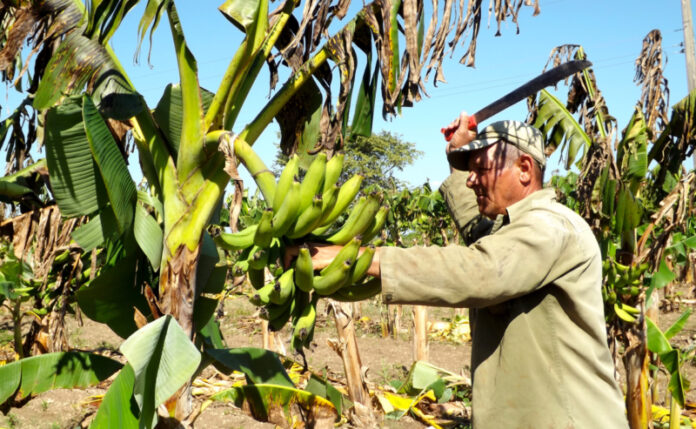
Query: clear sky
x,y
611,33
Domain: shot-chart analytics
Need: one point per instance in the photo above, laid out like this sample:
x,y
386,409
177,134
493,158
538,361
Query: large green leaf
x,y
64,370
245,14
210,279
112,166
660,279
632,155
259,365
279,404
163,359
324,389
100,228
106,16
76,60
118,409
75,180
111,296
148,235
657,341
169,113
559,126
365,104
678,325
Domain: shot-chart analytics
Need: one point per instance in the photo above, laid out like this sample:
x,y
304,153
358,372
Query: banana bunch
x,y
622,281
299,211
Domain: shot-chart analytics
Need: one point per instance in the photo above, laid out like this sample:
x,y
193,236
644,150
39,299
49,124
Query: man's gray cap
x,y
525,137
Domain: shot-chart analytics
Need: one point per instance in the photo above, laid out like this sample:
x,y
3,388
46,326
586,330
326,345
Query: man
x,y
531,276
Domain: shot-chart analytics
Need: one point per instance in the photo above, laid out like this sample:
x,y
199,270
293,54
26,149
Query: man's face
x,y
495,184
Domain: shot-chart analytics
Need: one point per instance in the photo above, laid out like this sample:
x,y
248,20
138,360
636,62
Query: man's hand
x,y
461,134
323,254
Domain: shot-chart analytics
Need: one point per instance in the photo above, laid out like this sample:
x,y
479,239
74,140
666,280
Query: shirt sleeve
x,y
517,259
462,206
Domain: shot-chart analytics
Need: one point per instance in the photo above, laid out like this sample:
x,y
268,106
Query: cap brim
x,y
459,158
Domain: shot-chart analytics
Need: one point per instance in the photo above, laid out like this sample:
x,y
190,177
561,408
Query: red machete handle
x,y
449,131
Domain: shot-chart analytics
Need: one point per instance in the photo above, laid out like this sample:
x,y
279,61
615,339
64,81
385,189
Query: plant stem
x,y
17,321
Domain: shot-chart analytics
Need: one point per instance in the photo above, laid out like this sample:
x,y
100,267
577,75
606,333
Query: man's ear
x,y
526,165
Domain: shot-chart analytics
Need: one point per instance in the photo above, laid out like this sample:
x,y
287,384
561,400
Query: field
x,y
387,359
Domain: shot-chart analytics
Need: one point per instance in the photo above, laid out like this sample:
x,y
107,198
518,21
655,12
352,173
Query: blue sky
x,y
610,31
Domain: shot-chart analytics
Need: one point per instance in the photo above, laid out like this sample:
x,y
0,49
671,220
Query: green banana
x,y
377,224
333,280
358,221
357,208
287,214
304,271
262,175
256,278
239,268
299,301
349,252
287,176
358,292
313,181
334,167
362,264
329,198
345,196
236,240
307,220
278,315
303,328
623,314
262,296
283,288
258,257
264,229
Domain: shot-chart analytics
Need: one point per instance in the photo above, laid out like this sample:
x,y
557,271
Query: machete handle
x,y
448,132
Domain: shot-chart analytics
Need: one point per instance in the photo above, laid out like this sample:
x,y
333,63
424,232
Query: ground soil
x,y
388,359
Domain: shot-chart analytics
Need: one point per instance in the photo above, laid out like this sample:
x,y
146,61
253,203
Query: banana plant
x,y
623,198
154,257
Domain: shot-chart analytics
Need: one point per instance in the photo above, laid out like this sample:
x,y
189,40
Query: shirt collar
x,y
535,199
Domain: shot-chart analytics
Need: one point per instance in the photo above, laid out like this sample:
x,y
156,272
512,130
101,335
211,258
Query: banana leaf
x,y
150,20
192,132
106,17
100,228
163,359
260,366
365,104
64,370
111,296
210,279
74,63
561,129
281,405
670,357
299,121
119,186
118,408
148,235
632,155
169,113
75,180
324,389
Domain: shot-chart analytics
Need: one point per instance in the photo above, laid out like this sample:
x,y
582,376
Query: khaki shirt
x,y
539,346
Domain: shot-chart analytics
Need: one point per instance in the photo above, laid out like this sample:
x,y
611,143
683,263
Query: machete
x,y
550,77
